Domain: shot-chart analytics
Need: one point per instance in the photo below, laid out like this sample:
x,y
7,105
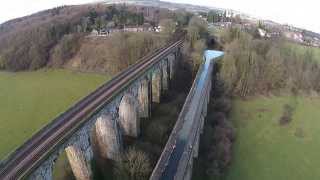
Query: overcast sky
x,y
301,13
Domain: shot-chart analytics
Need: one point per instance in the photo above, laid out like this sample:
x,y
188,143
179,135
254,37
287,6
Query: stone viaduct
x,y
109,113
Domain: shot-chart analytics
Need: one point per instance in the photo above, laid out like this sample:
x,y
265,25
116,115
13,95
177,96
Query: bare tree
x,y
135,165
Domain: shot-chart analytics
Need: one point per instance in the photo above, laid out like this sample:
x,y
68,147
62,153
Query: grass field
x,y
301,49
266,150
29,100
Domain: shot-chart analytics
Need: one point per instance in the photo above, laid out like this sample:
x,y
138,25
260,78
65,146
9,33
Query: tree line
x,y
113,16
214,16
258,66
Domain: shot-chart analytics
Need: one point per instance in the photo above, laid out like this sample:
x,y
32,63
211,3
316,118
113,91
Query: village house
x,y
94,32
107,31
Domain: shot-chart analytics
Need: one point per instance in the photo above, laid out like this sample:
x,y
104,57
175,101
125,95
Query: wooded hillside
x,y
52,36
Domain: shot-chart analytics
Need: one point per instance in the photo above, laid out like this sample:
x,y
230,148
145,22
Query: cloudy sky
x,y
301,13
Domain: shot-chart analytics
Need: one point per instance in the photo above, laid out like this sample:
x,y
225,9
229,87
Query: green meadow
x,y
29,100
266,150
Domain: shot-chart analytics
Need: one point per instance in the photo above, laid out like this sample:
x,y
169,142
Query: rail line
x,y
40,145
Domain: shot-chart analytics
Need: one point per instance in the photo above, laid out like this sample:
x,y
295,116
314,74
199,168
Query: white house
x,y
94,32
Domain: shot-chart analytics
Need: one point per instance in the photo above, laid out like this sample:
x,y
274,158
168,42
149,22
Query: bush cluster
x,y
219,134
115,53
134,165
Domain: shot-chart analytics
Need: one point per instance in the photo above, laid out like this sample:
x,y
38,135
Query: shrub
x,y
37,56
134,165
169,26
299,133
156,133
197,29
286,117
219,152
213,171
65,49
154,150
216,118
216,143
222,105
219,89
2,65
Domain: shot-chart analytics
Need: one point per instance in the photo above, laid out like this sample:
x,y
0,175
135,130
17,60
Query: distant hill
x,y
163,4
25,42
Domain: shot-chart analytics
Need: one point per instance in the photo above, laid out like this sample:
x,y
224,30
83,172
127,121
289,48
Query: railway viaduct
x,y
112,112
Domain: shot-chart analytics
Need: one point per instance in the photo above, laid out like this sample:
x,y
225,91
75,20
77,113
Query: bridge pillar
x,y
156,85
144,96
165,75
79,166
128,116
108,137
171,64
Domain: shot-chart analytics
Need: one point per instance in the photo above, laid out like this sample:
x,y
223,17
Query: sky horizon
x,y
302,14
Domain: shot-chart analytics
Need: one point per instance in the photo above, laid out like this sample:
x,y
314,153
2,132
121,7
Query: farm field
x,y
29,100
266,150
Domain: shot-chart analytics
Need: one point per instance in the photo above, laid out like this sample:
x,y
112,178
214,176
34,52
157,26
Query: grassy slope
x,y
265,150
29,100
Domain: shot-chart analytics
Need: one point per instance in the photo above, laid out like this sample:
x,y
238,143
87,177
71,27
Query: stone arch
x,y
165,75
171,64
144,96
80,167
73,159
107,137
156,85
62,169
128,116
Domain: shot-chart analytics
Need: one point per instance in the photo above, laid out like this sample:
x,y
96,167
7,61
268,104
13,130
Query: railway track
x,y
26,158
